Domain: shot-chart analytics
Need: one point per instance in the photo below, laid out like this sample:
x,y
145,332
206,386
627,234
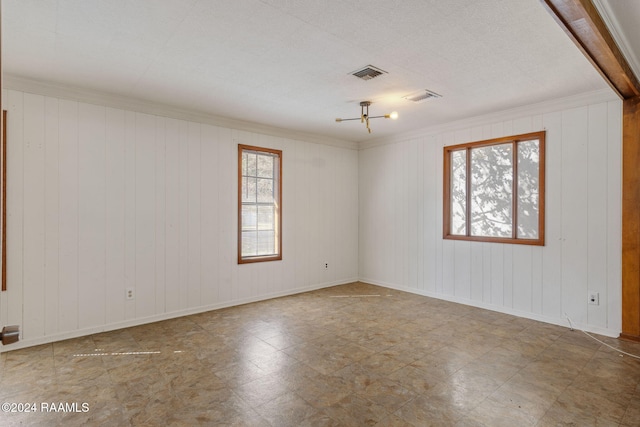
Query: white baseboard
x,y
562,321
165,316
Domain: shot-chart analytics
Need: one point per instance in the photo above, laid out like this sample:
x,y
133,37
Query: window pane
x,y
251,164
266,243
249,243
249,217
245,157
492,191
265,166
249,190
265,217
265,190
458,192
528,185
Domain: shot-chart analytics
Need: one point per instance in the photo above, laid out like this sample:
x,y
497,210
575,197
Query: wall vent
x,y
421,96
369,72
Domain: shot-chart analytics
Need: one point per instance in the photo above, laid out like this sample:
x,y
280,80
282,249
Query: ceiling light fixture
x,y
364,115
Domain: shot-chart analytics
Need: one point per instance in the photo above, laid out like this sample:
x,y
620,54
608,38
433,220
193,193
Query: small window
x,y
259,204
494,190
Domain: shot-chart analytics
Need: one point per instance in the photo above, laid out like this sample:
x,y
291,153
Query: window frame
x,y
278,206
514,140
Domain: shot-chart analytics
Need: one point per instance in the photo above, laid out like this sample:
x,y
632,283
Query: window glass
x,y
528,189
459,192
492,191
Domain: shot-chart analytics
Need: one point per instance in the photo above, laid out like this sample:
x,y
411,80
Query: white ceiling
x,y
287,63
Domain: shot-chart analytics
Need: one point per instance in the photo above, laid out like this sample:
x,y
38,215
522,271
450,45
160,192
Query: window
x,y
494,190
259,204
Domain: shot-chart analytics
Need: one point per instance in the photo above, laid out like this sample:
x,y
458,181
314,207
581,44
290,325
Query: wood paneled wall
x,y
103,199
401,241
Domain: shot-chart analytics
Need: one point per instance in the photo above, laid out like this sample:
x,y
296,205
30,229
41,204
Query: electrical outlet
x,y
130,293
594,298
326,265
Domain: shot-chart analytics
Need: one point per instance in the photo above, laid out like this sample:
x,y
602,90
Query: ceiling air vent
x,y
421,96
369,72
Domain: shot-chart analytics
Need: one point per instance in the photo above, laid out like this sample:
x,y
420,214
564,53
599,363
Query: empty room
x,y
322,213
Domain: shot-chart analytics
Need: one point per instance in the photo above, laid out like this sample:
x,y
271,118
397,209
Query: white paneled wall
x,y
401,243
103,199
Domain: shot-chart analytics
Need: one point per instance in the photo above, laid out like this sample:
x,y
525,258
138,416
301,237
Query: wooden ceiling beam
x,y
584,25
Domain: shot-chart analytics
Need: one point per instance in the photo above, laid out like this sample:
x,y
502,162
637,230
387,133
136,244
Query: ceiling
x,y
288,63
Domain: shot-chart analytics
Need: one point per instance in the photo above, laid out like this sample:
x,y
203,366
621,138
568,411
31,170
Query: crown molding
x,y
579,100
614,27
89,96
117,101
583,24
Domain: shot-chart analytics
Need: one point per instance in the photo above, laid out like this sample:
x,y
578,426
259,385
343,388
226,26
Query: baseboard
x,y
527,315
166,316
628,337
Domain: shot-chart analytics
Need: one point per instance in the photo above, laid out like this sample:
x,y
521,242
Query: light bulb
x,y
393,115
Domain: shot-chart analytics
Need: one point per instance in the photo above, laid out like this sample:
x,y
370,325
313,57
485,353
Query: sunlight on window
x,y
491,191
494,190
458,192
259,204
528,189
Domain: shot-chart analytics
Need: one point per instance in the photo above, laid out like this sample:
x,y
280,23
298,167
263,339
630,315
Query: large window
x,y
494,190
259,204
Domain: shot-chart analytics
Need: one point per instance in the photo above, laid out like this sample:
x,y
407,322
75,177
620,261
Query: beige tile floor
x,y
352,355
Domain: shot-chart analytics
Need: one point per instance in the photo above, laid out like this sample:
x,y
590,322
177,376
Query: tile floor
x,y
352,355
